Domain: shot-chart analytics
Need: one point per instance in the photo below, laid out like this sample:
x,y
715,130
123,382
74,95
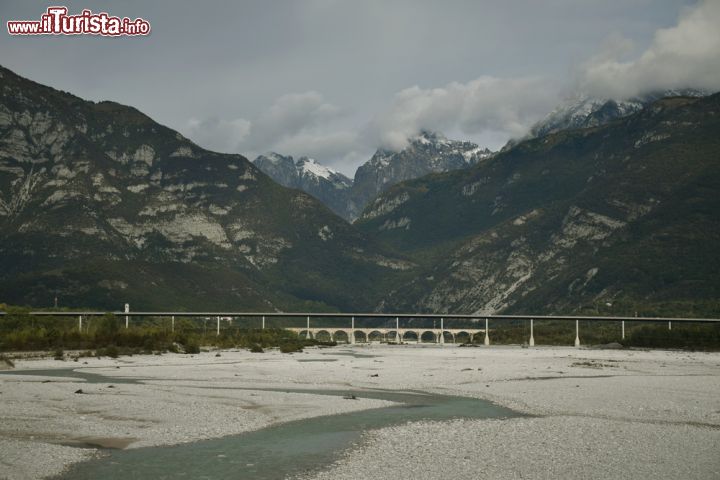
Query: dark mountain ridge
x,y
620,214
427,152
100,205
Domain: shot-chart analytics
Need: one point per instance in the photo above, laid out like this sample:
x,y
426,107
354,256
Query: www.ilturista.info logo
x,y
56,21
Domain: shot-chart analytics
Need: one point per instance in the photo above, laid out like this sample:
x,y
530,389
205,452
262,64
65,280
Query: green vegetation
x,y
290,348
695,337
107,337
111,351
692,336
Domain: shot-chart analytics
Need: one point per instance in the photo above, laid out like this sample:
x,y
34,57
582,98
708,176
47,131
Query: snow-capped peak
x,y
476,153
582,110
273,157
309,165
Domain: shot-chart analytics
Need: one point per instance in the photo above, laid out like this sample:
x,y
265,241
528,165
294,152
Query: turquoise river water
x,y
279,451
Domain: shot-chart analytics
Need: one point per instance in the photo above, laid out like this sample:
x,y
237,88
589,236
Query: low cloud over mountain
x,y
686,55
488,109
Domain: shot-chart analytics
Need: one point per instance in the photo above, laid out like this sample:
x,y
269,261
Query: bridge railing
x,y
521,326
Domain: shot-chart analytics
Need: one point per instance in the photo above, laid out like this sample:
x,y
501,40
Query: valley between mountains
x,y
100,206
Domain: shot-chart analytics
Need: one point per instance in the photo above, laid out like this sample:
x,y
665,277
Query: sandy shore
x,y
595,413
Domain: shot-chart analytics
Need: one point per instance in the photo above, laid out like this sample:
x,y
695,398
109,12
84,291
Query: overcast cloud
x,y
506,105
685,55
337,79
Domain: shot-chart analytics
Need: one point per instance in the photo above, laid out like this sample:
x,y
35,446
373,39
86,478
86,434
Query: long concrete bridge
x,y
402,335
397,334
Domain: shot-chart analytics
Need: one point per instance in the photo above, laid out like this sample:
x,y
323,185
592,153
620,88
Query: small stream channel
x,y
276,452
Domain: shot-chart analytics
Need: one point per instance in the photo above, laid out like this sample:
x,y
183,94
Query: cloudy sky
x,y
336,79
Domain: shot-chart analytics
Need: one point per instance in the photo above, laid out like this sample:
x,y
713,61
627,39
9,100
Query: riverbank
x,y
596,413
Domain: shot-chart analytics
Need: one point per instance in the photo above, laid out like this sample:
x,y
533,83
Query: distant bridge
x,y
387,334
403,335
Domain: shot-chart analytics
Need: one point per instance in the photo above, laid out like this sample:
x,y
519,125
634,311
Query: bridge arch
x,y
463,337
341,336
323,336
375,336
409,335
448,337
360,336
304,334
428,336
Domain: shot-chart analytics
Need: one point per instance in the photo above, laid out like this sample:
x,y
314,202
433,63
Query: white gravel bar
x,y
593,413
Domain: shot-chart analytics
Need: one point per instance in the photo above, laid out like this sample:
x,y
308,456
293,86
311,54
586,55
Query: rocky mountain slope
x,y
100,205
606,217
584,111
330,187
426,153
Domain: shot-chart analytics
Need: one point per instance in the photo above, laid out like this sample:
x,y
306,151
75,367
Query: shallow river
x,y
279,451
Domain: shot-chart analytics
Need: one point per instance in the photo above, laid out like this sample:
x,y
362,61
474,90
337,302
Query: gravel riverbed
x,y
593,413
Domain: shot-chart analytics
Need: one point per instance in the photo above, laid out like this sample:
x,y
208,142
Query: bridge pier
x,y
80,323
442,330
398,339
532,337
172,323
487,335
577,333
307,336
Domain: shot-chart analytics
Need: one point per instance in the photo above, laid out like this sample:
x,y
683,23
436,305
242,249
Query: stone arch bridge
x,y
398,335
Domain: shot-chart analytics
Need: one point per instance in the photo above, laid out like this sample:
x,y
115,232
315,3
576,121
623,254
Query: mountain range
x,y
621,214
430,152
427,152
100,205
584,111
